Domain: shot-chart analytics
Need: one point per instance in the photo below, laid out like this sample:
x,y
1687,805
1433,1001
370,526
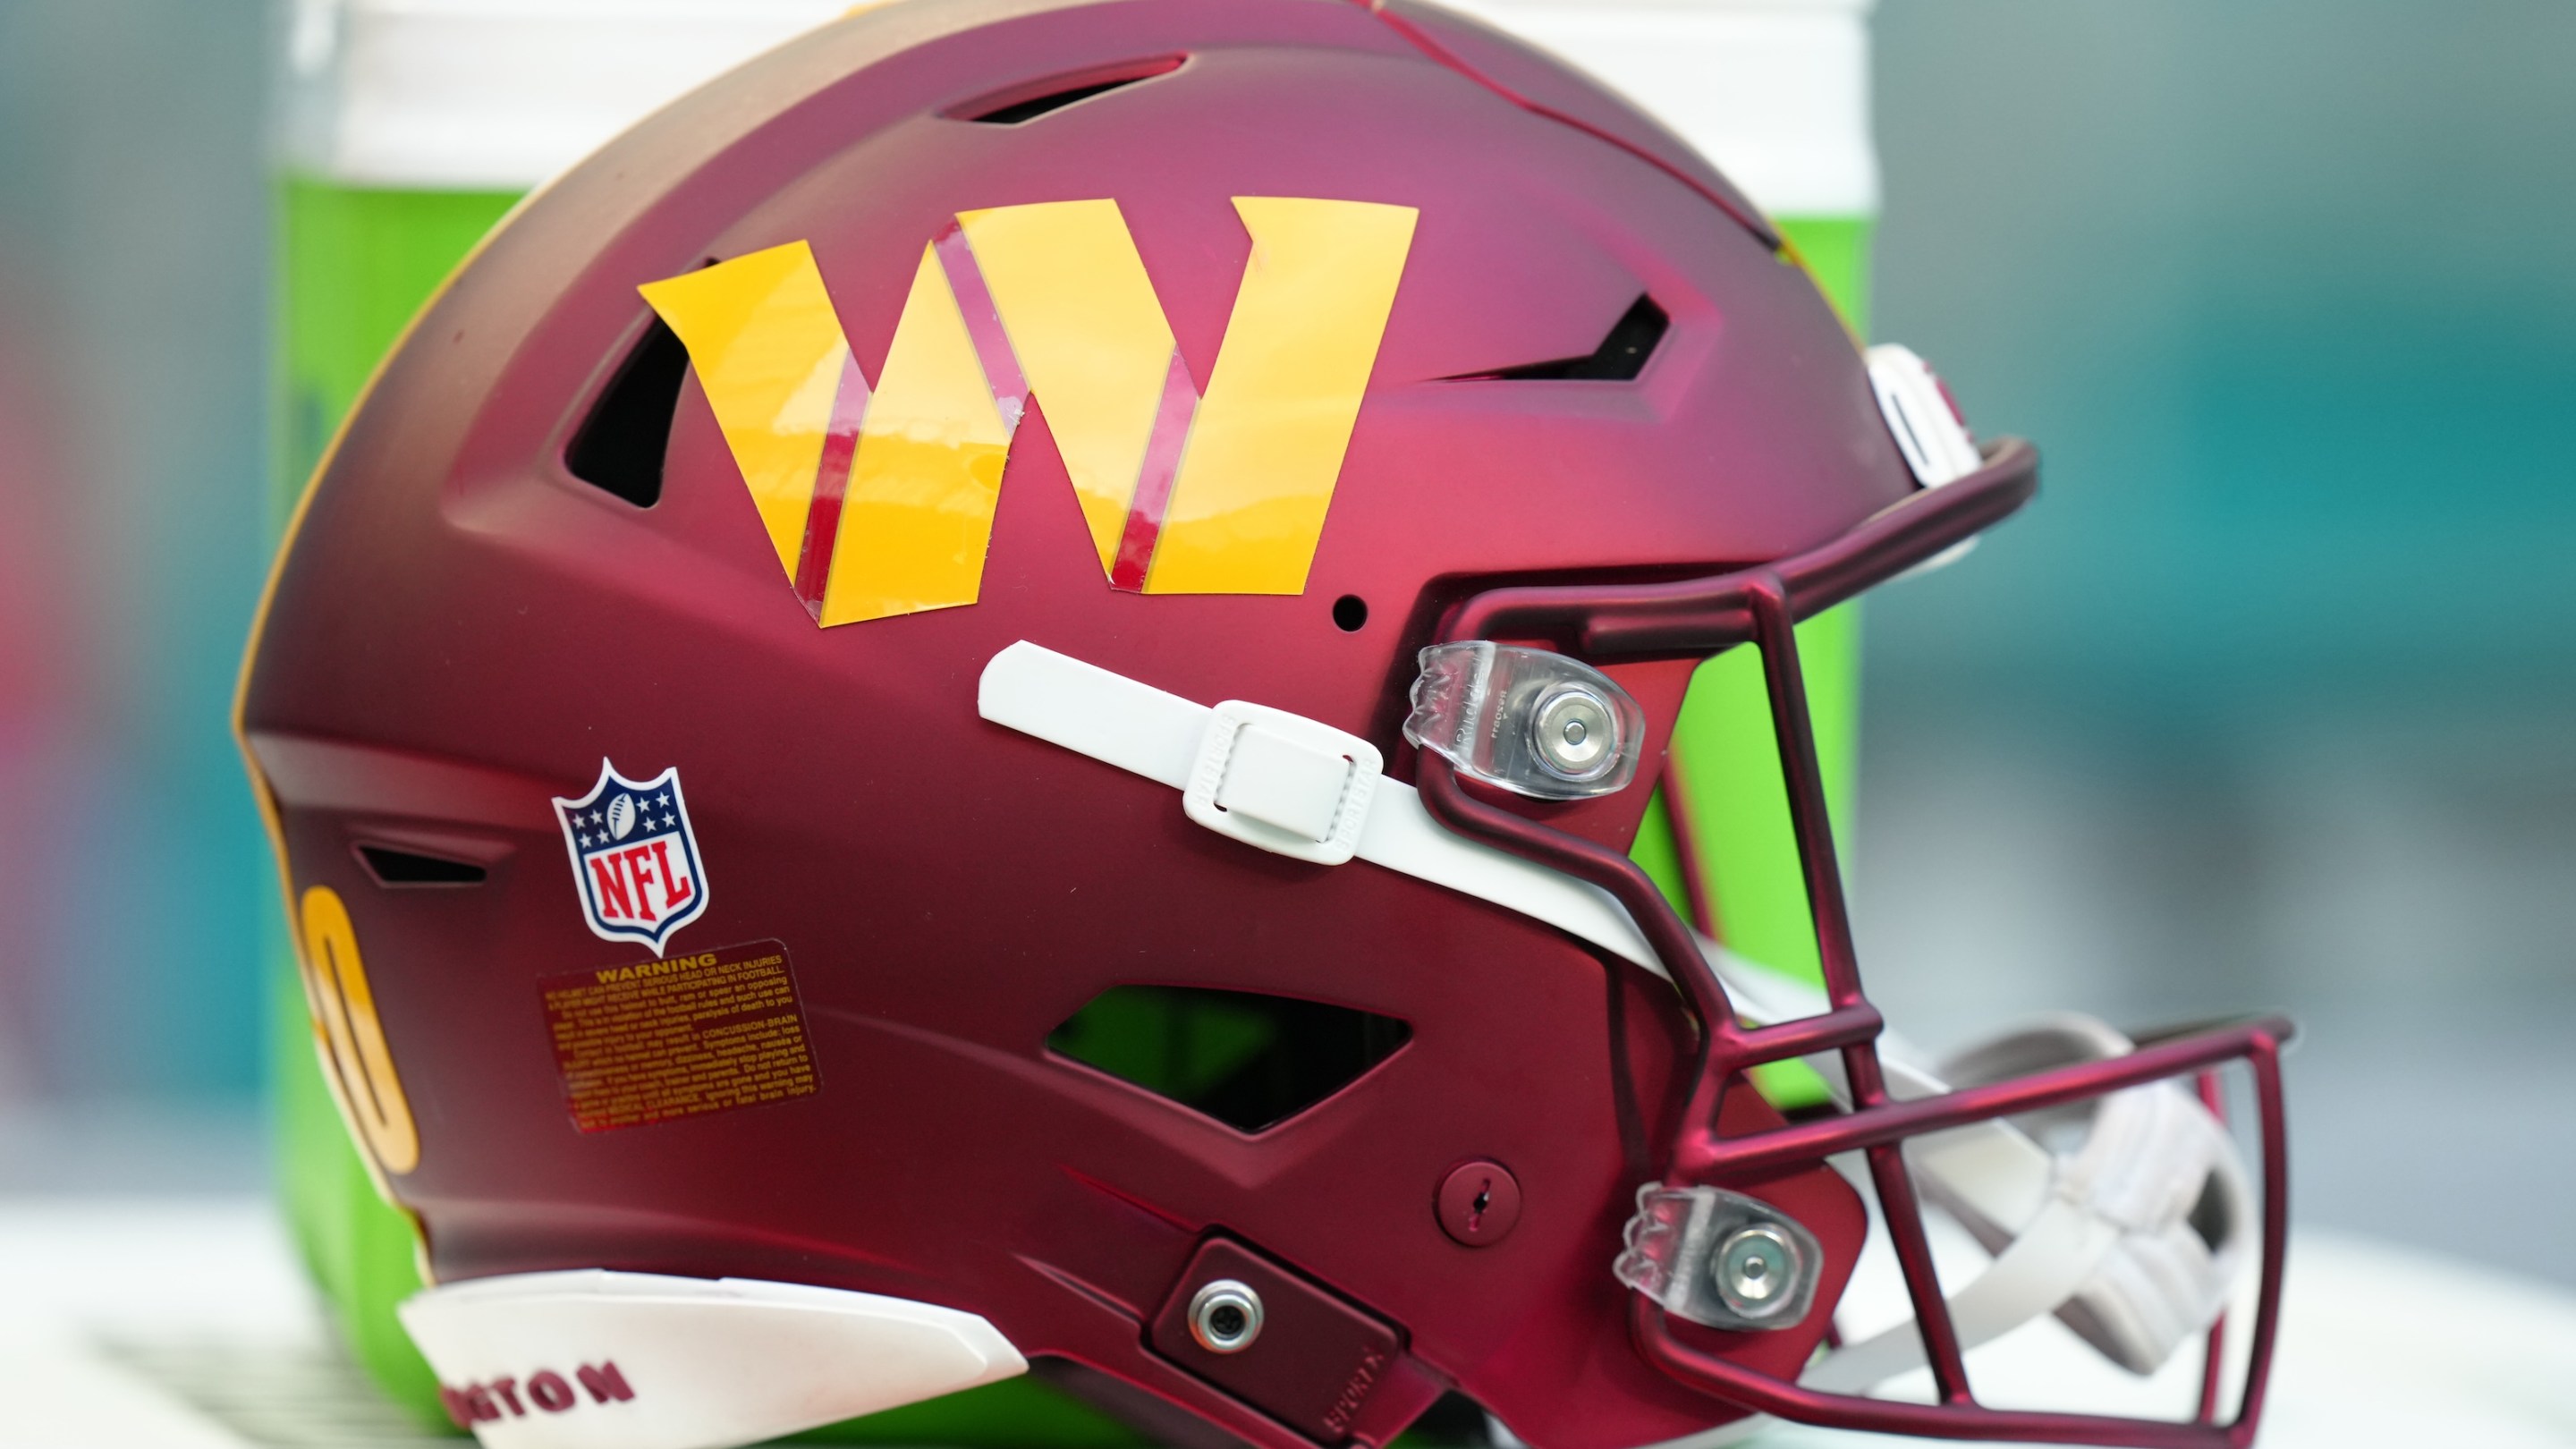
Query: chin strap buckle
x,y
1288,784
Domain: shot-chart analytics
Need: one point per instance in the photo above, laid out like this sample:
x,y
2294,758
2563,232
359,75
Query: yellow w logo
x,y
880,501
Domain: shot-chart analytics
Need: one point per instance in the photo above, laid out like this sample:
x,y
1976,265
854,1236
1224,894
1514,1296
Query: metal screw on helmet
x,y
1225,1316
1574,733
1757,1271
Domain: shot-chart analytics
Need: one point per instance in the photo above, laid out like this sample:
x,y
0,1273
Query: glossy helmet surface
x,y
722,705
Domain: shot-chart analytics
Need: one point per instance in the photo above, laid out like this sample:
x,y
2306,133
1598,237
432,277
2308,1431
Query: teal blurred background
x,y
133,523
2270,701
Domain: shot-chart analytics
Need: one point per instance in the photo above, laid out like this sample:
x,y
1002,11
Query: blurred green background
x,y
2268,701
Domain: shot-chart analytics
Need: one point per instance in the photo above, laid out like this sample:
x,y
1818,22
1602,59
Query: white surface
x,y
1159,735
1776,92
709,1362
176,1324
93,1290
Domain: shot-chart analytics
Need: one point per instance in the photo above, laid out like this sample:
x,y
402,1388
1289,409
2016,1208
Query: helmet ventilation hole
x,y
1621,356
1250,1061
396,867
1350,613
1025,103
620,446
1453,1420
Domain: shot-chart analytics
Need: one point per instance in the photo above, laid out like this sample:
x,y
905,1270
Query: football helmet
x,y
976,706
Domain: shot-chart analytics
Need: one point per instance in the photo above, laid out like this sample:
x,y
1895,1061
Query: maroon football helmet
x,y
722,704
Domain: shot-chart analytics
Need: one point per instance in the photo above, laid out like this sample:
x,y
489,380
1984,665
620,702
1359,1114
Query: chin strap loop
x,y
2128,1217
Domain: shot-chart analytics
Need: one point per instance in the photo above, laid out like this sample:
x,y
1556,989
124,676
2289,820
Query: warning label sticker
x,y
662,1039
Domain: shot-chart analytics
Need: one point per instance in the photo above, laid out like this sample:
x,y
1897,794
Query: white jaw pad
x,y
1195,749
600,1360
2102,1228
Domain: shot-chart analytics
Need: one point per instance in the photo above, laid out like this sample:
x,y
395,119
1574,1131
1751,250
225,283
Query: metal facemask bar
x,y
1696,618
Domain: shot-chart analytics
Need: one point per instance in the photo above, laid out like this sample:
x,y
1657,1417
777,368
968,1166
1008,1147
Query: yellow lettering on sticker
x,y
928,471
355,1059
769,353
1090,337
1256,482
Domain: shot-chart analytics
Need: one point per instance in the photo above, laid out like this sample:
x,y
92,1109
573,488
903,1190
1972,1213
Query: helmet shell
x,y
461,629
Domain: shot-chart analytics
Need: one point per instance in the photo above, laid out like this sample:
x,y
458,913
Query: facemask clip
x,y
1720,1258
1526,720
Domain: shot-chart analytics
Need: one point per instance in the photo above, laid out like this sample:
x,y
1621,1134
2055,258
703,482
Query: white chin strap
x,y
1286,784
2133,1231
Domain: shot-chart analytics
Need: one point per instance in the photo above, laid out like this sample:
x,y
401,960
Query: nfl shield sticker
x,y
634,856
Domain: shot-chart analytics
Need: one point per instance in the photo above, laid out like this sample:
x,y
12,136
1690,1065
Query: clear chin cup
x,y
1526,720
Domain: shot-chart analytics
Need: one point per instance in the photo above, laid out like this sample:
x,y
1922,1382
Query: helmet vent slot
x,y
1453,1419
392,866
1025,103
1620,358
1248,1060
620,446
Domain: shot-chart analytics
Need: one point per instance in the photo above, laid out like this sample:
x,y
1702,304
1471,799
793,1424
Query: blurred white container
x,y
498,95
